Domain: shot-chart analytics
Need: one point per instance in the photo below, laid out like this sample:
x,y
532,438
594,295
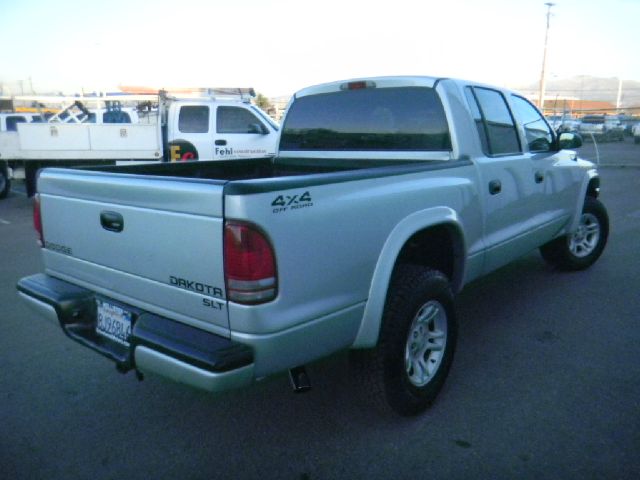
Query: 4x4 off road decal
x,y
284,203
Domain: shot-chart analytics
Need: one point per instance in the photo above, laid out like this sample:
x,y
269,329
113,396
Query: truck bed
x,y
251,175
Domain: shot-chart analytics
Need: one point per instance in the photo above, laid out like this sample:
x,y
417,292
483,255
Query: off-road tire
x,y
581,249
382,373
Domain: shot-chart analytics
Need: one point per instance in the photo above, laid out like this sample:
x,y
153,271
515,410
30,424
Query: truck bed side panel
x,y
328,238
88,141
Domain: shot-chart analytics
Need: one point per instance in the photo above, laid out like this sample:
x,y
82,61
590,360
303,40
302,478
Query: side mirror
x,y
569,140
258,128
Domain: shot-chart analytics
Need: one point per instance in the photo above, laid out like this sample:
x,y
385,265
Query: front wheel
x,y
417,341
583,247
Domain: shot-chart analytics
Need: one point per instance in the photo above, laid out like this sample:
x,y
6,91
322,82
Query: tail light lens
x,y
37,220
249,264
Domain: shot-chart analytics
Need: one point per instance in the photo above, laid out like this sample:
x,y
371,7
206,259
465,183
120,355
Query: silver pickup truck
x,y
386,197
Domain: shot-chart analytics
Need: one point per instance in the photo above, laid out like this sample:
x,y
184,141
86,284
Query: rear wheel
x,y
583,247
417,341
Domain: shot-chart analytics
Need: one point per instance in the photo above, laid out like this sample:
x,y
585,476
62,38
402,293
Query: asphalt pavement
x,y
545,385
617,153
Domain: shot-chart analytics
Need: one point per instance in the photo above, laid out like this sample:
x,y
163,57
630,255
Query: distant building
x,y
555,104
558,105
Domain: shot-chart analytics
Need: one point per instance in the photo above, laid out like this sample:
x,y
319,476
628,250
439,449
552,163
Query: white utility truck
x,y
207,124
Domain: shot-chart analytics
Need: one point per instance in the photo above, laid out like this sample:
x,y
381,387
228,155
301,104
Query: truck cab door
x,y
556,188
508,184
189,135
241,133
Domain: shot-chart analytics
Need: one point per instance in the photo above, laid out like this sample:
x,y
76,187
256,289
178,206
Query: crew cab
x,y
387,196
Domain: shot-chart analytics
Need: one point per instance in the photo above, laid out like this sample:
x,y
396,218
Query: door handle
x,y
495,187
221,143
539,177
112,221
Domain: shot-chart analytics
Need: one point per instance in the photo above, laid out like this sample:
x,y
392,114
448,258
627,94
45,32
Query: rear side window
x,y
369,119
497,126
194,119
237,120
478,120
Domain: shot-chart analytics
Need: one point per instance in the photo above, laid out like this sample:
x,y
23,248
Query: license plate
x,y
114,322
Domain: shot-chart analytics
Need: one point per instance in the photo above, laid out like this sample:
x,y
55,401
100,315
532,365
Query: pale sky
x,y
280,46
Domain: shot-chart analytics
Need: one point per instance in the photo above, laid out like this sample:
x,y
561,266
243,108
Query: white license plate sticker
x,y
114,322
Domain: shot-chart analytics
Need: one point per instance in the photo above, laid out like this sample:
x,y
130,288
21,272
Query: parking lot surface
x,y
545,385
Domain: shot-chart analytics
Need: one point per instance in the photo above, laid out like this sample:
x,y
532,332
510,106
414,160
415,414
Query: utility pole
x,y
618,100
544,59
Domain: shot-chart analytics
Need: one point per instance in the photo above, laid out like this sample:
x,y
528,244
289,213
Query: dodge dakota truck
x,y
387,195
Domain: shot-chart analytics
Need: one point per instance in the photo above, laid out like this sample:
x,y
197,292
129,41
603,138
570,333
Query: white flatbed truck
x,y
210,124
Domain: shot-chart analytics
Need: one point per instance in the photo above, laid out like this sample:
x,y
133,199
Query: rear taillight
x,y
37,219
249,264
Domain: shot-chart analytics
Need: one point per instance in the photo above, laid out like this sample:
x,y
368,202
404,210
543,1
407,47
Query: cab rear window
x,y
368,119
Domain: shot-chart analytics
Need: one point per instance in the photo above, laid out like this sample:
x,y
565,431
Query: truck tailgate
x,y
154,243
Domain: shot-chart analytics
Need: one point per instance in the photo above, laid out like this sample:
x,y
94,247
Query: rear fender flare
x,y
367,336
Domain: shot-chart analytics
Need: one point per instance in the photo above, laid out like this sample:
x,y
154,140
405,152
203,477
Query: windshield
x,y
266,118
387,119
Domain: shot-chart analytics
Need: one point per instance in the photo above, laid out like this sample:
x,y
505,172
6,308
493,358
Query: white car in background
x,y
563,123
603,127
635,131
